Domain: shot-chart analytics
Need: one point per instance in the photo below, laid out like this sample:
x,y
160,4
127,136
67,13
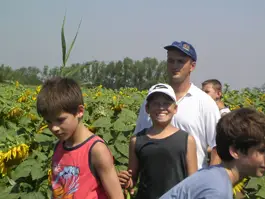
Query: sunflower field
x,y
26,145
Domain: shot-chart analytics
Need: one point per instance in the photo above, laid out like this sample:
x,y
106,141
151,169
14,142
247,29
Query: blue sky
x,y
227,35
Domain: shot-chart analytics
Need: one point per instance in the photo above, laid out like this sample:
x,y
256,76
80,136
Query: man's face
x,y
179,66
209,89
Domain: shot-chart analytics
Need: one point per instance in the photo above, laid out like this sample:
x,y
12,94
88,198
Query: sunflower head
x,y
238,188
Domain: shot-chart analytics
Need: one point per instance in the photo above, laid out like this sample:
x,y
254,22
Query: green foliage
x,y
115,75
111,114
65,55
26,145
255,188
25,155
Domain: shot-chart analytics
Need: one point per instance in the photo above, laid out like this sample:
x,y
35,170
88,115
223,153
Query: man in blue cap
x,y
197,112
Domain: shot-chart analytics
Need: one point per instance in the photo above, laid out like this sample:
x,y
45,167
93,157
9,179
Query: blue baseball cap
x,y
184,47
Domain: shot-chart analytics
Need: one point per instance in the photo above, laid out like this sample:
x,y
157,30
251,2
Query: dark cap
x,y
184,47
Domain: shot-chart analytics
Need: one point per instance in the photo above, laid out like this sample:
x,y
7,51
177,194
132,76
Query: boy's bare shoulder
x,y
133,139
99,147
191,139
101,155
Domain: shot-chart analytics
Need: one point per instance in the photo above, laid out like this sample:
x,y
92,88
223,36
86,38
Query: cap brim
x,y
170,47
161,92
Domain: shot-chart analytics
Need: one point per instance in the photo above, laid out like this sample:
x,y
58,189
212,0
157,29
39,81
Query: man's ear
x,y
219,94
193,65
80,111
234,152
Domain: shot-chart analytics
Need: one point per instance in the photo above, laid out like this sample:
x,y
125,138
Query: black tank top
x,y
162,163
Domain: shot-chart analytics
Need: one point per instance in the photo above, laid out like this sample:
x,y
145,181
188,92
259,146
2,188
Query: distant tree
x,y
6,73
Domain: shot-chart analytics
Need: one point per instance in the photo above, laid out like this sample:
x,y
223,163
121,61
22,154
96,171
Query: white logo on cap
x,y
186,47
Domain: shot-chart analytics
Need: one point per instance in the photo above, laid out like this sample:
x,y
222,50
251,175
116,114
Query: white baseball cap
x,y
162,88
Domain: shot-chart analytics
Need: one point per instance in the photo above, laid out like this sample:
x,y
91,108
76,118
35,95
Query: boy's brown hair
x,y
242,128
59,95
216,84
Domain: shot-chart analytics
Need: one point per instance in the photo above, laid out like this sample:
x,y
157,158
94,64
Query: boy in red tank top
x,y
82,165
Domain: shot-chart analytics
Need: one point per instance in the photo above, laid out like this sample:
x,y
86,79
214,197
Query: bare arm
x,y
211,116
103,162
215,159
143,120
133,160
191,156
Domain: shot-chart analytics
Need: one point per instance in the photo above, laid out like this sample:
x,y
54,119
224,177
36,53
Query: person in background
x,y
240,143
82,165
213,87
161,155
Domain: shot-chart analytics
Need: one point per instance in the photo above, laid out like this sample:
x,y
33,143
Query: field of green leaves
x,y
26,144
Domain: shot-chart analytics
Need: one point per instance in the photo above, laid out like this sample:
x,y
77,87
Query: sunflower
x,y
238,188
12,156
42,128
17,84
22,151
38,89
15,112
49,176
3,168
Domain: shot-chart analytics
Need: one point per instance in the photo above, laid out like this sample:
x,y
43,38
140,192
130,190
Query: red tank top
x,y
72,172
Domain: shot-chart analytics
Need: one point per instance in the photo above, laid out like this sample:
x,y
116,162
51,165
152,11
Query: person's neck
x,y
181,88
220,104
232,172
80,135
158,128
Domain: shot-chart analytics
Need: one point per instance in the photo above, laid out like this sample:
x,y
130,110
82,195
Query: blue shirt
x,y
208,183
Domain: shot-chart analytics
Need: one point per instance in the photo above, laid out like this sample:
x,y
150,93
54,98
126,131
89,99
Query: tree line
x,y
141,74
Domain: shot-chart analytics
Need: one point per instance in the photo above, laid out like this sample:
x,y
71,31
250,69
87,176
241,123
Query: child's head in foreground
x,y
60,103
161,103
240,141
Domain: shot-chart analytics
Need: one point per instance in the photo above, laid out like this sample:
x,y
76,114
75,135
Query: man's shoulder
x,y
203,98
224,110
200,94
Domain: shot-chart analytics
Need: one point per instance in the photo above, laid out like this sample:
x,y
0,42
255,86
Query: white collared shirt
x,y
225,110
197,114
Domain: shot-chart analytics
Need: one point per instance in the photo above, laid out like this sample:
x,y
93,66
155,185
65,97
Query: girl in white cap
x,y
161,155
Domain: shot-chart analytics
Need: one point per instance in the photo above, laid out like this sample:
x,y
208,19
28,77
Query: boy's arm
x,y
128,179
103,163
211,118
133,161
143,120
191,156
215,159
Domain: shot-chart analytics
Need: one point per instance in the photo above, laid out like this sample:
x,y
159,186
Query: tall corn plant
x,y
66,54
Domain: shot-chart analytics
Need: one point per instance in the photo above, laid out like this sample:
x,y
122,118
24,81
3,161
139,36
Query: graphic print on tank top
x,y
66,181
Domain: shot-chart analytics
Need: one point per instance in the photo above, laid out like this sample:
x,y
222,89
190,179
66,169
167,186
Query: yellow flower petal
x,y
14,152
8,155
